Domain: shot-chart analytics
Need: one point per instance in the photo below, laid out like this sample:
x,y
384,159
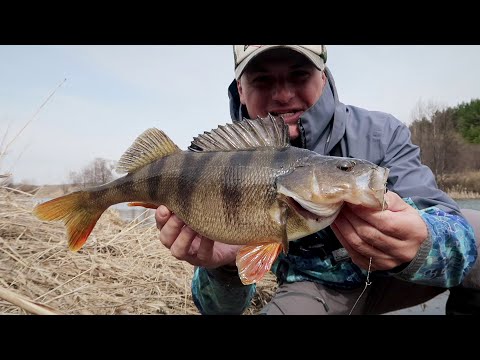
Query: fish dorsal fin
x,y
151,145
243,135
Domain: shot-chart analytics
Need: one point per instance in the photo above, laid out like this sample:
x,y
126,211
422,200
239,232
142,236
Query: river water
x,y
469,204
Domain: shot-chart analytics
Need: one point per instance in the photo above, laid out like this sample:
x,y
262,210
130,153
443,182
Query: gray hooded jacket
x,y
330,127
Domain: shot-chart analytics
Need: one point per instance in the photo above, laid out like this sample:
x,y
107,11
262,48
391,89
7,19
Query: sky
x,y
114,93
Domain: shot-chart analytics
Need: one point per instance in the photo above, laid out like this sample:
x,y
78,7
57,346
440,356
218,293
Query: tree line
x,y
449,141
98,172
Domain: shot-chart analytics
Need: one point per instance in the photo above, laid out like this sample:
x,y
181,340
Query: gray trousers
x,y
381,296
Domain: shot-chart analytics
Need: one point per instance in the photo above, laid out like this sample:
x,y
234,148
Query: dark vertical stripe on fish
x,y
231,192
280,159
288,160
127,188
153,182
192,167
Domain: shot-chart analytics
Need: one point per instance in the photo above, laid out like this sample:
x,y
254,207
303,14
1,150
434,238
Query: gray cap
x,y
243,54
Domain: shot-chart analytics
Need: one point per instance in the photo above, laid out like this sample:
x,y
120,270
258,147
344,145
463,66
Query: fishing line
x,y
367,283
384,204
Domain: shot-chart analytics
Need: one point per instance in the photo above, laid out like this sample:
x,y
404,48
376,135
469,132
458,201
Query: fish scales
x,y
213,192
217,194
240,184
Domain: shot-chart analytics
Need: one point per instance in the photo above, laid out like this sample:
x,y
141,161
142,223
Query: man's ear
x,y
240,92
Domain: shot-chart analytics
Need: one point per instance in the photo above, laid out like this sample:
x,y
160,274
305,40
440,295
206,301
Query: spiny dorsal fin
x,y
245,134
151,145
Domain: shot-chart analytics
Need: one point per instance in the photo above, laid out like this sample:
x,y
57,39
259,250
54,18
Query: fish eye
x,y
346,165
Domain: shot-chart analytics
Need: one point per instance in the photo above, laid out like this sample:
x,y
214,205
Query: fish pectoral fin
x,y
253,261
144,204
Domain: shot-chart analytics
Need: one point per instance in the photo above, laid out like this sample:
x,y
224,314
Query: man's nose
x,y
282,92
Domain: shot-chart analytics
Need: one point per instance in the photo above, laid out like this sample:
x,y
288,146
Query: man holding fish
x,y
409,249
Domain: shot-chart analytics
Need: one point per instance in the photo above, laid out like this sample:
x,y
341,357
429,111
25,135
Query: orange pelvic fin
x,y
78,214
144,204
253,261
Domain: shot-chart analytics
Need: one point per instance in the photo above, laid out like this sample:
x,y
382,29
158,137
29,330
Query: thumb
x,y
394,202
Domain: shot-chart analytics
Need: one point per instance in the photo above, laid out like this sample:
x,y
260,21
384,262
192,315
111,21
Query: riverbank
x,y
461,185
464,195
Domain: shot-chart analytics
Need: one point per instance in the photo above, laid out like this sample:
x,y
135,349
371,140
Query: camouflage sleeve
x,y
220,292
448,253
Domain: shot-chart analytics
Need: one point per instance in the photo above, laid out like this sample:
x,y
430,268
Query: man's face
x,y
281,82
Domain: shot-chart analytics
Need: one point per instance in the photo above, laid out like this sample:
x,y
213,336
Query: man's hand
x,y
391,237
187,245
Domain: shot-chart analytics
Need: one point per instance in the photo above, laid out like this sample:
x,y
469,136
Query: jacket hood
x,y
321,127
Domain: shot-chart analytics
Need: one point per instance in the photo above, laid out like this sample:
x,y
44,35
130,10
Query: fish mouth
x,y
311,211
378,184
369,188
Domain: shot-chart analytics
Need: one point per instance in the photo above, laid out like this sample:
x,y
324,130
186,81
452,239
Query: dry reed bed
x,y
463,195
122,269
462,185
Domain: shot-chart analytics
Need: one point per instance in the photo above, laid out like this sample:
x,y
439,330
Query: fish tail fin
x,y
77,213
253,261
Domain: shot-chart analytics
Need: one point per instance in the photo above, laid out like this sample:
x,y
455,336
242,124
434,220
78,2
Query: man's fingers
x,y
387,221
161,216
353,240
357,258
395,203
171,230
193,251
205,250
183,242
369,233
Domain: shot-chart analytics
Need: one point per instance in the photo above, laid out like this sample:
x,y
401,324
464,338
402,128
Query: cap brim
x,y
314,58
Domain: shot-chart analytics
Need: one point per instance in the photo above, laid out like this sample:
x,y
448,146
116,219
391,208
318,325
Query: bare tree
x,y
102,171
99,171
433,130
446,144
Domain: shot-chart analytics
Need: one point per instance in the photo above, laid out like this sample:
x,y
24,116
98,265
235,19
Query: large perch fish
x,y
241,184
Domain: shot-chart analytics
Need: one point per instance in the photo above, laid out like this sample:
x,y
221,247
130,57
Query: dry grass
x,y
463,195
462,185
122,269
